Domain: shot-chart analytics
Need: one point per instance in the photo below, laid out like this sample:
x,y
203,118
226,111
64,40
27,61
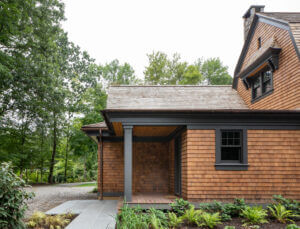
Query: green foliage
x,y
229,227
158,219
209,220
226,210
254,215
289,204
192,216
180,206
292,226
281,214
163,70
174,221
13,198
215,73
132,218
41,220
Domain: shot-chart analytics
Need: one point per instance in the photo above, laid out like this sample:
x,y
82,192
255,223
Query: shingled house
x,y
211,142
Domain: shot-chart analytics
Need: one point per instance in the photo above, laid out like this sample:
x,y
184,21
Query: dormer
x,y
267,75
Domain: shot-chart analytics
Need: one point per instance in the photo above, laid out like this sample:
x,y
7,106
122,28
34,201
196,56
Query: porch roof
x,y
173,98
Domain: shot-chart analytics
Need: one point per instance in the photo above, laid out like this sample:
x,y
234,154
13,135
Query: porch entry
x,y
152,160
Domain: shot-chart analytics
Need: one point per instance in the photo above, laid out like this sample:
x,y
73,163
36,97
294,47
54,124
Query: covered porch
x,y
139,164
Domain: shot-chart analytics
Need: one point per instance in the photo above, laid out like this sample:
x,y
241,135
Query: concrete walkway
x,y
93,214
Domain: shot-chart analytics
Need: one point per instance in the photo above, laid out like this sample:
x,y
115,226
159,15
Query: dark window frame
x,y
242,164
260,76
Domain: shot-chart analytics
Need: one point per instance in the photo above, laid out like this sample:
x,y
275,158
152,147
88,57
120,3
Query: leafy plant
x,y
209,220
179,206
158,219
281,214
227,210
132,218
289,204
192,216
292,226
13,198
41,220
229,227
254,215
174,221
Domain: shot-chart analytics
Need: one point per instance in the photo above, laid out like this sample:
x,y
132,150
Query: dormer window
x,y
262,84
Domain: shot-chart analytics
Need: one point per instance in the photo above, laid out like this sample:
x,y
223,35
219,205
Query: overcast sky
x,y
129,29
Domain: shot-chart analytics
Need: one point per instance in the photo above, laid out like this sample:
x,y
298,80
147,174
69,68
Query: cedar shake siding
x,y
273,157
286,83
151,167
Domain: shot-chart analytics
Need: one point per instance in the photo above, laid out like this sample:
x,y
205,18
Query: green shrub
x,y
179,206
227,210
209,220
174,221
254,215
281,214
292,226
12,198
229,227
192,216
289,204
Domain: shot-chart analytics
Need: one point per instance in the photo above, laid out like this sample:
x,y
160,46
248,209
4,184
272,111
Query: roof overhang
x,y
258,119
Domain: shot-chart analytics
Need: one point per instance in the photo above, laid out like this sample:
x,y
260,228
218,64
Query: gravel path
x,y
49,196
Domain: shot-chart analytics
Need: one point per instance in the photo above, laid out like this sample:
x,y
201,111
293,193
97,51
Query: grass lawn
x,y
87,185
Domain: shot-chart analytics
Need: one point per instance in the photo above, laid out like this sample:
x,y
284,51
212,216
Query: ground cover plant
x,y
236,215
40,220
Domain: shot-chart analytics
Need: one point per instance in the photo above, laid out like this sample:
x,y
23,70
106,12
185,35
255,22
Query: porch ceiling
x,y
145,130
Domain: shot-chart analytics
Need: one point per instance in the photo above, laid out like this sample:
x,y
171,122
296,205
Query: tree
x,y
215,73
163,70
117,74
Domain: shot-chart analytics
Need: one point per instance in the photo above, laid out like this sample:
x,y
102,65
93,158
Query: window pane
x,y
230,153
267,81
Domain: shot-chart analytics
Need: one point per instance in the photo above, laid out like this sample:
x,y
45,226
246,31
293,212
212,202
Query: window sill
x,y
231,166
262,96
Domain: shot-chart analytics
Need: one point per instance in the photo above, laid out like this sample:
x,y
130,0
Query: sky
x,y
128,30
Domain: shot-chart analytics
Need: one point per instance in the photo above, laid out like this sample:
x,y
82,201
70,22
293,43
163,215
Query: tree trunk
x,y
50,177
66,155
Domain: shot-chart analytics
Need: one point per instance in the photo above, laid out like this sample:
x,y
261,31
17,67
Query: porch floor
x,y
151,199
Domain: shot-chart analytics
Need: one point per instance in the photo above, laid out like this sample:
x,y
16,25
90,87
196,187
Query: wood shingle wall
x,y
286,80
151,167
273,157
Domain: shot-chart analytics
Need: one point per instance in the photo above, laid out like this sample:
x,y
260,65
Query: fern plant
x,y
281,214
179,206
209,220
292,226
174,221
192,216
254,215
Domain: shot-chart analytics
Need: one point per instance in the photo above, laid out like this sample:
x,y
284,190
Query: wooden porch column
x,y
128,162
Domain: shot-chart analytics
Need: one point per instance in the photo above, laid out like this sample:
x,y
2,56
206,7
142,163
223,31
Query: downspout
x,y
101,165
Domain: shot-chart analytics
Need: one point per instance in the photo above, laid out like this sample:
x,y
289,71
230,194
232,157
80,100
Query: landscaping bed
x,y
40,220
280,214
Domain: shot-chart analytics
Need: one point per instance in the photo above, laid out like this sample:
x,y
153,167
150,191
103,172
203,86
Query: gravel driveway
x,y
49,196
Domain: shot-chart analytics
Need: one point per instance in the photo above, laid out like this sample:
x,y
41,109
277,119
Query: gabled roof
x,y
173,98
284,20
